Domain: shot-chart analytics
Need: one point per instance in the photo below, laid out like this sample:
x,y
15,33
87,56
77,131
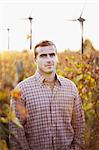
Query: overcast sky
x,y
49,22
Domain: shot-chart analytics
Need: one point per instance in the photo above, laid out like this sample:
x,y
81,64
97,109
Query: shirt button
x,y
54,125
54,137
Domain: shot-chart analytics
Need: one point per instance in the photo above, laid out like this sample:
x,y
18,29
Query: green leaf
x,y
17,122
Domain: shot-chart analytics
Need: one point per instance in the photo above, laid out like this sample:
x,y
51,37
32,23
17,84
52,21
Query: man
x,y
55,117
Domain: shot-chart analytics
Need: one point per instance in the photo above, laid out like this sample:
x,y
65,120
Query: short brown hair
x,y
42,44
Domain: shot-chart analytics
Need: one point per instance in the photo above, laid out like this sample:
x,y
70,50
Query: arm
x,y
78,124
17,137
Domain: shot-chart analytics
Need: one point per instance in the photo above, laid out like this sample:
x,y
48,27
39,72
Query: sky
x,y
50,21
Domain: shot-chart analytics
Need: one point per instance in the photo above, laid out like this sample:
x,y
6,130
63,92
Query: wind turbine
x,y
81,20
8,38
30,36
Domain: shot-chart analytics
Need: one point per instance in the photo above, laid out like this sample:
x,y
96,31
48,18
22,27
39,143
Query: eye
x,y
43,55
52,54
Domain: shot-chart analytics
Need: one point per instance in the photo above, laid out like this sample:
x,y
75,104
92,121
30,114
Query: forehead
x,y
46,49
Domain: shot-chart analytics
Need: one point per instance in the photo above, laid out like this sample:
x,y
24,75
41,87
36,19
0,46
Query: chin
x,y
49,72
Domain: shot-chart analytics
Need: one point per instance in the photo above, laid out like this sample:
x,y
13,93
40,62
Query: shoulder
x,y
67,83
26,82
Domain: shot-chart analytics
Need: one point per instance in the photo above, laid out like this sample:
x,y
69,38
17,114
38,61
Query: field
x,y
83,70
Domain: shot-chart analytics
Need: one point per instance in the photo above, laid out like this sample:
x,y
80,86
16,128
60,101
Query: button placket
x,y
53,116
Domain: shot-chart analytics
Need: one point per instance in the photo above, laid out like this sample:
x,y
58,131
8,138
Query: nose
x,y
48,58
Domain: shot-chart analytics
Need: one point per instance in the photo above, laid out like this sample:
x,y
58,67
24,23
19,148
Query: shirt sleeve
x,y
78,123
17,138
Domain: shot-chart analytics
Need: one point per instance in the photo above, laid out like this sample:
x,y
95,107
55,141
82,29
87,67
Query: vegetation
x,y
84,71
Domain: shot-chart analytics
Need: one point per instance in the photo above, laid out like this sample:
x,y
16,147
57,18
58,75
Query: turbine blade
x,y
30,13
24,18
71,19
82,10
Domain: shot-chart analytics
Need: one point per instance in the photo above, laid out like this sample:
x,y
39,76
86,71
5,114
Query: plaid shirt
x,y
56,119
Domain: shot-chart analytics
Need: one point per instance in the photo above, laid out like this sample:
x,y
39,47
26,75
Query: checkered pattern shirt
x,y
55,120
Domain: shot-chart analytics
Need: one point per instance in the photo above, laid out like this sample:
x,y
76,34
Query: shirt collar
x,y
41,78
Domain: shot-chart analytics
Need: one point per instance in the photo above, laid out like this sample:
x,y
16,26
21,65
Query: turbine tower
x,y
30,35
30,19
8,38
81,20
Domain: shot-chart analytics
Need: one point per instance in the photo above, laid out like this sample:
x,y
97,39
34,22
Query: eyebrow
x,y
41,55
51,54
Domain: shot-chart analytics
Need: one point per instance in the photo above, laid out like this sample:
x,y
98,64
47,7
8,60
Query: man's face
x,y
46,59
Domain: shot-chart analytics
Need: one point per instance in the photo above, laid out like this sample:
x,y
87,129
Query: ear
x,y
35,60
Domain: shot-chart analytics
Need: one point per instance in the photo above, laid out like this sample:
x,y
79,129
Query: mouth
x,y
49,65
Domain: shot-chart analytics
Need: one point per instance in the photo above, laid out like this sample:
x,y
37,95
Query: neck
x,y
48,77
